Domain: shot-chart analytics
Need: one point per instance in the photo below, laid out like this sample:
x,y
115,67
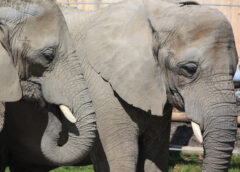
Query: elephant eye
x,y
49,55
189,69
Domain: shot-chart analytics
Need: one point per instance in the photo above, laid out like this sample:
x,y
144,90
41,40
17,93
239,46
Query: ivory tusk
x,y
67,113
197,131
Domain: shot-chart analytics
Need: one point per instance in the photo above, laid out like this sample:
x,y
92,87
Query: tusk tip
x,y
197,131
72,120
68,114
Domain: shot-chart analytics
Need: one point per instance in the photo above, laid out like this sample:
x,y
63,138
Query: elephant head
x,y
38,62
168,53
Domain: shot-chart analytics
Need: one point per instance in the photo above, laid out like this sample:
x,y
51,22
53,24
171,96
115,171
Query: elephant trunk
x,y
218,138
81,136
68,88
212,104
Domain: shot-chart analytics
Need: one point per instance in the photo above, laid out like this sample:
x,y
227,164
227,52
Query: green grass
x,y
178,162
70,169
74,169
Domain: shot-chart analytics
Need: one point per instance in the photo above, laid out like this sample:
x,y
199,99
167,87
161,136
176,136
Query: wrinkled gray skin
x,y
141,58
154,55
38,63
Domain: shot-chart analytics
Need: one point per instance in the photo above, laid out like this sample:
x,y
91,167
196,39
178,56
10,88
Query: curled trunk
x,y
68,87
81,136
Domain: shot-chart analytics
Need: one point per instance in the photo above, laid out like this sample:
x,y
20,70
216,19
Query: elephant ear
x,y
120,48
9,81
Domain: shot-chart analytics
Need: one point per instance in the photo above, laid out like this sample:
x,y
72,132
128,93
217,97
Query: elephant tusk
x,y
197,131
67,113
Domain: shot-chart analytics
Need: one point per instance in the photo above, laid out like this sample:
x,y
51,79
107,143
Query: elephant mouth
x,y
197,131
32,92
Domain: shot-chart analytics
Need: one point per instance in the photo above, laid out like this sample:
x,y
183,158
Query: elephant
x,y
36,54
140,59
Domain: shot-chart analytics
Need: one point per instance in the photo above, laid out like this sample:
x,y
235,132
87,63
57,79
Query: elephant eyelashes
x,y
189,69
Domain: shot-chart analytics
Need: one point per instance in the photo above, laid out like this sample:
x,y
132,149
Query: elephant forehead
x,y
38,30
11,14
206,20
190,19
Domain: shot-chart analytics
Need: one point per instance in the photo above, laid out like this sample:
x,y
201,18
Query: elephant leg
x,y
14,168
119,139
117,147
154,145
4,157
118,133
3,163
98,158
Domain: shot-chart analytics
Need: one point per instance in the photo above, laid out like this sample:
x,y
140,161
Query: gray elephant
x,y
140,59
36,54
